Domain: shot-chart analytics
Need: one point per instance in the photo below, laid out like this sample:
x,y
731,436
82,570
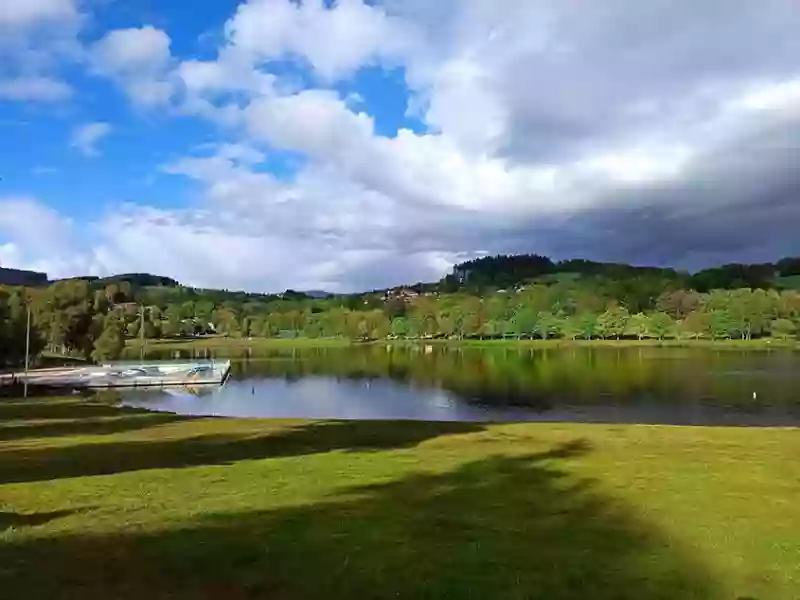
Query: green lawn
x,y
102,503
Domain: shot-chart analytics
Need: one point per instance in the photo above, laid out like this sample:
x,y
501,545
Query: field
x,y
98,502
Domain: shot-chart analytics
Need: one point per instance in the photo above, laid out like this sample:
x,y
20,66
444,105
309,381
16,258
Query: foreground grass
x,y
98,502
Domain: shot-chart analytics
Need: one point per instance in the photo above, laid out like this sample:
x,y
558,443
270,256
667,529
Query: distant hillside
x,y
316,294
508,271
136,280
489,273
139,280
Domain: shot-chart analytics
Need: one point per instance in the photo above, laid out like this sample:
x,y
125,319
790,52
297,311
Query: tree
x,y
400,327
612,323
572,327
721,325
638,325
783,329
111,342
661,324
587,324
696,324
525,320
133,328
546,324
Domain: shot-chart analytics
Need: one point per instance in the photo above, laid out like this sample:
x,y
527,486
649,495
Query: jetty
x,y
127,374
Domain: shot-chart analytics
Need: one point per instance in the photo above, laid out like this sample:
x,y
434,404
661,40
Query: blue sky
x,y
345,145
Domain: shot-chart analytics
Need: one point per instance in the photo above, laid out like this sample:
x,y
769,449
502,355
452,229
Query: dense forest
x,y
494,297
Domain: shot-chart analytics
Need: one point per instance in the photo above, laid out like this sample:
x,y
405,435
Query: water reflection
x,y
640,385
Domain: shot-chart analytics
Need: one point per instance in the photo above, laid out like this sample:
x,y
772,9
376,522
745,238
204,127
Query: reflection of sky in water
x,y
328,397
320,398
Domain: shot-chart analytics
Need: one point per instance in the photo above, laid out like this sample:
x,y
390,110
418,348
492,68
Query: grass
x,y
753,344
237,344
228,343
98,502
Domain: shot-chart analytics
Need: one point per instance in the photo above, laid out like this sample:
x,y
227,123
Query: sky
x,y
352,145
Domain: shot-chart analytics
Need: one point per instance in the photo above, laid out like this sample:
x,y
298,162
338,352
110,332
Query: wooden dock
x,y
128,374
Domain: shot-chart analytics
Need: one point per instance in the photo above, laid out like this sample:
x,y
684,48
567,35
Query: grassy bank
x,y
98,502
225,343
238,344
759,344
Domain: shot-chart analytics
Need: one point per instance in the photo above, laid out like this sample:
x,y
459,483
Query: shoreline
x,y
277,343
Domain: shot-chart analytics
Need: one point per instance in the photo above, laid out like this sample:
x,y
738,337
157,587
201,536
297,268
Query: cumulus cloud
x,y
648,132
139,60
334,40
35,236
85,138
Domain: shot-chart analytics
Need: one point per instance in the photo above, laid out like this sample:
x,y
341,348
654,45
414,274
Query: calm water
x,y
647,385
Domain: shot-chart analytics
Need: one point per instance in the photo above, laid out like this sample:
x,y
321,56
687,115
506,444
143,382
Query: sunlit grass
x,y
102,502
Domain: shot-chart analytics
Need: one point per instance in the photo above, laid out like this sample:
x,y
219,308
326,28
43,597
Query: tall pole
x,y
27,341
27,349
141,333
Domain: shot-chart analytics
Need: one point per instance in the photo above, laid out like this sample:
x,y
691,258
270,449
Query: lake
x,y
442,383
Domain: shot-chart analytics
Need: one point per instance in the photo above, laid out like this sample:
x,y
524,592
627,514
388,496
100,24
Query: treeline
x,y
587,301
67,318
505,271
568,311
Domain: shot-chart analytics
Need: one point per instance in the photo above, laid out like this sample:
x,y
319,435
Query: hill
x,y
504,271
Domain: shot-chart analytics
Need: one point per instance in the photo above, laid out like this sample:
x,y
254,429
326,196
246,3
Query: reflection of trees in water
x,y
538,378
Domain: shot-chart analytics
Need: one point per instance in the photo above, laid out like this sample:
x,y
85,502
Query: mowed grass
x,y
98,502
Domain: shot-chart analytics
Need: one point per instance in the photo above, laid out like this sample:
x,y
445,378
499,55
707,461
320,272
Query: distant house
x,y
402,293
20,277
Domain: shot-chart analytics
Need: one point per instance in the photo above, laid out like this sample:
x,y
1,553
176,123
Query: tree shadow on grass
x,y
510,528
83,426
31,463
18,520
50,408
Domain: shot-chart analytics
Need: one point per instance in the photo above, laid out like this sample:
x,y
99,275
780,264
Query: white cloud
x,y
85,138
139,59
542,119
133,50
335,41
36,37
34,88
35,236
22,13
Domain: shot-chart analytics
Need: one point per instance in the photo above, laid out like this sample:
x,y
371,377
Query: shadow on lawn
x,y
84,426
503,527
32,463
18,520
48,408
